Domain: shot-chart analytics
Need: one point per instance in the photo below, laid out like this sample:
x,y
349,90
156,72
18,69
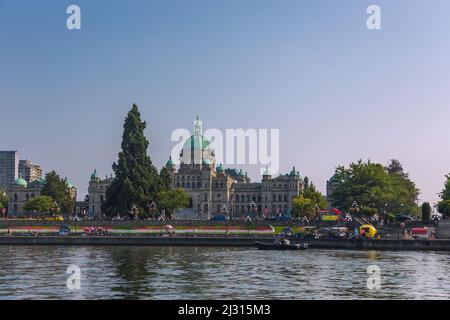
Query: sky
x,y
337,91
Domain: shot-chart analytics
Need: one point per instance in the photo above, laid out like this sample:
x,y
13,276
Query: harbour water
x,y
128,272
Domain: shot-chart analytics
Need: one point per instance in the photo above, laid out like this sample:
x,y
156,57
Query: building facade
x,y
213,189
28,171
9,168
97,193
21,191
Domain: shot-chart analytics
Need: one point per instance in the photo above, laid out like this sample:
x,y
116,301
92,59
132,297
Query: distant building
x,y
29,172
213,189
20,192
97,193
9,168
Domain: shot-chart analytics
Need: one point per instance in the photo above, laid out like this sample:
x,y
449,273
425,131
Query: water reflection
x,y
219,273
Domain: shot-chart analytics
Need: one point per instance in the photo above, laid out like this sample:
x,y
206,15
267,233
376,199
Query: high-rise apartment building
x,y
9,167
29,172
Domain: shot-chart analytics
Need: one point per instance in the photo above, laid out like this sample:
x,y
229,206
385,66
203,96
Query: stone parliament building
x,y
213,189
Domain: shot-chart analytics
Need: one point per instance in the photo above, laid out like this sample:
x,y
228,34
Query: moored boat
x,y
280,244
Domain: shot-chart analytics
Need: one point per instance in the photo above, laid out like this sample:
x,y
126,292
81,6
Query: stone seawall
x,y
405,245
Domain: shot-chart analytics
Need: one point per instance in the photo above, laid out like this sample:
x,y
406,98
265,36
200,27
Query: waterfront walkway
x,y
344,244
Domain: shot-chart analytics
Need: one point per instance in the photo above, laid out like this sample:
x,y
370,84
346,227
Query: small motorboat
x,y
280,244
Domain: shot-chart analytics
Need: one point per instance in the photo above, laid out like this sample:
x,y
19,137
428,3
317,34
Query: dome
x,y
241,173
69,184
220,168
206,161
196,143
94,174
169,162
294,173
20,182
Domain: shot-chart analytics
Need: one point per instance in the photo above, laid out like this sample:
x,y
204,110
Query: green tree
x,y
136,180
444,204
404,190
372,186
166,177
444,207
171,200
3,199
426,211
56,188
310,192
306,204
303,207
40,204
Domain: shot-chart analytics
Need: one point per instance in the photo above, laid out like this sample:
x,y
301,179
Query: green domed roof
x,y
196,143
169,162
241,173
220,168
294,173
206,161
21,182
69,184
94,174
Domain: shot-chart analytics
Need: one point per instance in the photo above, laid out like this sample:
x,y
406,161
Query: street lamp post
x,y
161,219
248,220
253,208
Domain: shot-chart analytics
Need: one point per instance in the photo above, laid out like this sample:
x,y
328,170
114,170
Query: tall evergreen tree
x,y
136,181
165,177
426,211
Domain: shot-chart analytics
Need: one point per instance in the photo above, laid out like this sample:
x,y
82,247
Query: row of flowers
x,y
149,229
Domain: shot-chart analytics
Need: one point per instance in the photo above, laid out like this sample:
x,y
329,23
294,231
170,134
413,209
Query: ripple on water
x,y
219,273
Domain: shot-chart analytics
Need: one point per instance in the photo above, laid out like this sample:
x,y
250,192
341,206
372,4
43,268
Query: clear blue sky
x,y
337,91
